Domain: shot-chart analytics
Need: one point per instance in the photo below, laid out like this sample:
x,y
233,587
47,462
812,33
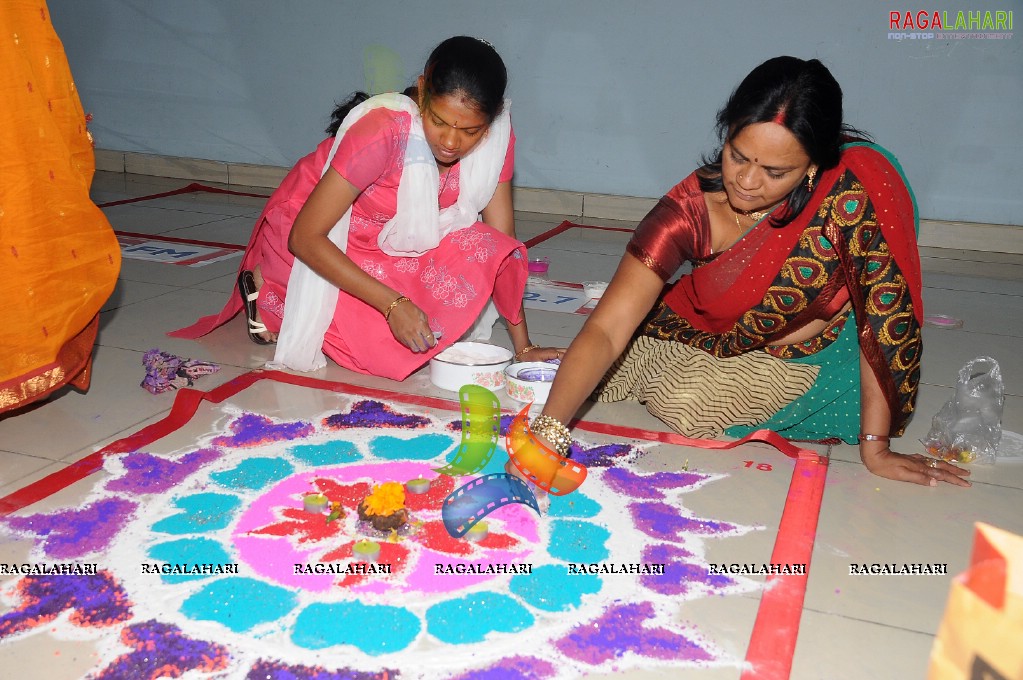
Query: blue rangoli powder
x,y
551,588
189,551
424,447
374,629
577,541
469,619
239,603
202,512
573,505
254,473
331,453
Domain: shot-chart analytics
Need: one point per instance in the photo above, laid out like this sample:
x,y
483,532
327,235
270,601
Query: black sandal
x,y
249,293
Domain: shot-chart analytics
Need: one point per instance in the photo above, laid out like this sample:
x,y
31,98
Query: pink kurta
x,y
451,283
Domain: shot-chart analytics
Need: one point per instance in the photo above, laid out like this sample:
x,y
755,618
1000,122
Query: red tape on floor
x,y
565,226
773,640
190,189
189,241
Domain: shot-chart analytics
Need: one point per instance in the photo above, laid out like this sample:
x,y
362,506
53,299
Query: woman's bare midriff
x,y
811,330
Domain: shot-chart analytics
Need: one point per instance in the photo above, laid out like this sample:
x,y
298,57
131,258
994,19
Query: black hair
x,y
459,65
342,109
801,95
469,66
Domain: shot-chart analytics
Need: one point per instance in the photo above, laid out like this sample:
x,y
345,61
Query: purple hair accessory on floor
x,y
168,372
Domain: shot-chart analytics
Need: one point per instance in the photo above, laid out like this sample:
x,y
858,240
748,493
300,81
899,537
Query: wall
x,y
609,97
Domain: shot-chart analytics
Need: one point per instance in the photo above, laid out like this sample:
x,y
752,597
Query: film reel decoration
x,y
471,502
552,472
481,428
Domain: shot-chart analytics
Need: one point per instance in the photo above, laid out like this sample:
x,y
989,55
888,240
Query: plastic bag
x,y
968,427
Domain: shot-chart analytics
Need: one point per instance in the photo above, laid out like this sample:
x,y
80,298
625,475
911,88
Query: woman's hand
x,y
916,468
410,327
535,353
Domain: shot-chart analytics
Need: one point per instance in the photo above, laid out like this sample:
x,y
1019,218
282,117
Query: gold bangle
x,y
553,431
390,308
875,437
524,350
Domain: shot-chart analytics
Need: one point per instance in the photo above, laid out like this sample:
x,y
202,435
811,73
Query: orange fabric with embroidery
x,y
58,254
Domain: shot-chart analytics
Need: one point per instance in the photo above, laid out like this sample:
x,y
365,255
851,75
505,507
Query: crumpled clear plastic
x,y
968,428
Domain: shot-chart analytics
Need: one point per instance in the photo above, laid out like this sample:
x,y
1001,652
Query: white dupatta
x,y
416,228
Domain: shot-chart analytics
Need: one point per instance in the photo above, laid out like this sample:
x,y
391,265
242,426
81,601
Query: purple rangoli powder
x,y
506,422
68,534
603,455
274,670
647,486
146,473
93,600
160,650
679,575
620,630
664,522
374,414
512,668
251,429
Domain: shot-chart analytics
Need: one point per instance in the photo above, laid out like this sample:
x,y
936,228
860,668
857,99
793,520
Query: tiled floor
x,y
852,627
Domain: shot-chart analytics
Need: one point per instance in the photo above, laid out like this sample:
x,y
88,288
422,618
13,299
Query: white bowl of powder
x,y
470,363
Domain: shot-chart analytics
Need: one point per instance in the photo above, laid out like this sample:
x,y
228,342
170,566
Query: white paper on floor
x,y
173,252
556,296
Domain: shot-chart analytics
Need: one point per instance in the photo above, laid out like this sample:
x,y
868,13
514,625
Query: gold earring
x,y
809,178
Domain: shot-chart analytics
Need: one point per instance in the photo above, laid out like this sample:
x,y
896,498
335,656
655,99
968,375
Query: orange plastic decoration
x,y
549,470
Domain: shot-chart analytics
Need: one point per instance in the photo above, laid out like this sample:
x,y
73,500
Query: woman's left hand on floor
x,y
916,468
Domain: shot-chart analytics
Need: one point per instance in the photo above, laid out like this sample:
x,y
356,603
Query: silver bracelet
x,y
875,437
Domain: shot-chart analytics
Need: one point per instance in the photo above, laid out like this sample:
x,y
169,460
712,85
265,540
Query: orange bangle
x,y
390,307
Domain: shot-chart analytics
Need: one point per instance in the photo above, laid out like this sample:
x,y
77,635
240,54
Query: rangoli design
x,y
208,563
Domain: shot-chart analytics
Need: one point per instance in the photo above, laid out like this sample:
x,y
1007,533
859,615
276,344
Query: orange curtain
x,y
59,258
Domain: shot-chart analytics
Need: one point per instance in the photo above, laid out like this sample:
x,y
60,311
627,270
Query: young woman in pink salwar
x,y
372,249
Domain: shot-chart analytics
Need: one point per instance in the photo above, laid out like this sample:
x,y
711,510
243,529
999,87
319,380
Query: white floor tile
x,y
141,218
16,466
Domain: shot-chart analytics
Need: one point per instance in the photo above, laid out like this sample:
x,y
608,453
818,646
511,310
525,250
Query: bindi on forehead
x,y
451,119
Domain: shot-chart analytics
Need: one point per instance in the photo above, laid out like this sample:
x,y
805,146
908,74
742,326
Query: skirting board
x,y
997,238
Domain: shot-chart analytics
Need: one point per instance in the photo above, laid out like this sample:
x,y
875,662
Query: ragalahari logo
x,y
969,24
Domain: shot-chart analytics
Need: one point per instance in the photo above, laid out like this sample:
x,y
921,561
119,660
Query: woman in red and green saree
x,y
802,310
